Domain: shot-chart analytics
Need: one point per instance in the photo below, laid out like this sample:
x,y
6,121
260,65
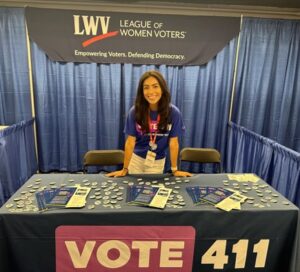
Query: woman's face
x,y
152,92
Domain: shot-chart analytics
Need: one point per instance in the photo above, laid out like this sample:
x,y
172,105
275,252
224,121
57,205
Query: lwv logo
x,y
96,26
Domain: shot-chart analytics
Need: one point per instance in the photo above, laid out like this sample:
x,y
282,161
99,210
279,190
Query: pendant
x,y
153,146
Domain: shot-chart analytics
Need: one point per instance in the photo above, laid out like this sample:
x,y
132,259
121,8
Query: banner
x,y
117,37
124,248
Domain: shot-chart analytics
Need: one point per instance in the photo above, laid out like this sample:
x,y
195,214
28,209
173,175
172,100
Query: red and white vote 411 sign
x,y
124,248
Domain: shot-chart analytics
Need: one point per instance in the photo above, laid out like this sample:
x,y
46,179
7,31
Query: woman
x,y
152,125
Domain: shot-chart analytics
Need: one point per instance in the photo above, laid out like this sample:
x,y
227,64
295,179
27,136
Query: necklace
x,y
152,144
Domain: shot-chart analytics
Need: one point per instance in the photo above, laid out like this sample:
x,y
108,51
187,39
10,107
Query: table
x,y
262,236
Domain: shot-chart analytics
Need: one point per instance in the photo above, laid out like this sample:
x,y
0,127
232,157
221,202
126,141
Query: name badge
x,y
150,159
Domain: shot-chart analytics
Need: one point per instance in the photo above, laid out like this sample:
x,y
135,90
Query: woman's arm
x,y
174,150
129,147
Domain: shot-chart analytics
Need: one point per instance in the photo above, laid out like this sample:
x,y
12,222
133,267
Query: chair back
x,y
103,158
201,155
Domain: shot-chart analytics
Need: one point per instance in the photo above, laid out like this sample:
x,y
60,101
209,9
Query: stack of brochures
x,y
207,194
148,196
218,196
63,197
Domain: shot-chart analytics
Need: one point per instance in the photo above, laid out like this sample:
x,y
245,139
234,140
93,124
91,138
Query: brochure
x,y
51,198
78,200
207,194
149,196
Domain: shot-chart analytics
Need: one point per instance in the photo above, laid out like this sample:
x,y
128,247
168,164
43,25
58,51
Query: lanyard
x,y
152,135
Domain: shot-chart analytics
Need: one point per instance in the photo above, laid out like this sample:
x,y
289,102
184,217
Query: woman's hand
x,y
179,173
120,173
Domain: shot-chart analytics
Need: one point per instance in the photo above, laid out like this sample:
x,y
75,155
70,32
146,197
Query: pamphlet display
x,y
63,197
151,196
220,197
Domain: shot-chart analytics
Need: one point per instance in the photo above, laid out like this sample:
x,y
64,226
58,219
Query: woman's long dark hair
x,y
142,105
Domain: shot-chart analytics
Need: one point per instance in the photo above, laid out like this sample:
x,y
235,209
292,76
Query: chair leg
x,y
220,167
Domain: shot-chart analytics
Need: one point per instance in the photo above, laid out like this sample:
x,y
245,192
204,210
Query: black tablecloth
x,y
28,237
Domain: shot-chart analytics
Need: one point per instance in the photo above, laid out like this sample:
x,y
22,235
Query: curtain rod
x,y
163,8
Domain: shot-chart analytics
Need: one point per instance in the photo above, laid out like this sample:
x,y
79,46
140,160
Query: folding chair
x,y
103,157
201,155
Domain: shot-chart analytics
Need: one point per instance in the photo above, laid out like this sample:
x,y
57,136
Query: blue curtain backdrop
x,y
15,104
17,157
249,152
17,148
267,97
84,106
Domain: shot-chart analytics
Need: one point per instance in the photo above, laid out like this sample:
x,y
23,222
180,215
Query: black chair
x,y
103,158
201,155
